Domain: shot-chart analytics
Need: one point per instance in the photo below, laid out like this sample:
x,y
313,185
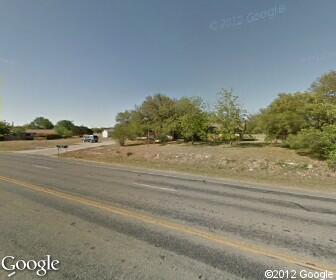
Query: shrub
x,y
18,131
163,139
65,128
4,128
316,142
63,131
332,159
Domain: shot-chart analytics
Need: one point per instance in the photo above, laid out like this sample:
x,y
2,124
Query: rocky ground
x,y
256,163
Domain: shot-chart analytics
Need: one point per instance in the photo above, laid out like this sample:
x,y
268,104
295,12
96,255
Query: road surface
x,y
102,222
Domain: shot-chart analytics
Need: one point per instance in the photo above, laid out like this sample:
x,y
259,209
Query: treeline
x,y
63,128
160,117
305,121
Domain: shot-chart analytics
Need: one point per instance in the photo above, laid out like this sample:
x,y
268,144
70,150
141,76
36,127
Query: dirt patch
x,y
263,164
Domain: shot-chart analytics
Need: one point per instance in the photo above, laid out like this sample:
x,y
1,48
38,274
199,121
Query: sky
x,y
86,60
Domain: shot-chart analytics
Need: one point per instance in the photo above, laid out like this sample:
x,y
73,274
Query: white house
x,y
107,133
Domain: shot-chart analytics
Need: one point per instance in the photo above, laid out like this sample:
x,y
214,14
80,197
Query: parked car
x,y
90,139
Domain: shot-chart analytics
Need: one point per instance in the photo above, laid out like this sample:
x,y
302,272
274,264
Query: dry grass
x,y
259,163
35,144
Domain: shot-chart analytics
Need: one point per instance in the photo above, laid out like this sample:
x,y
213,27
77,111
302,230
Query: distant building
x,y
43,133
107,133
31,134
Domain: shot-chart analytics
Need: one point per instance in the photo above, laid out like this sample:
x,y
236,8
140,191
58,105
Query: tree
x,y
5,128
18,130
320,143
122,133
290,113
322,107
229,114
128,126
82,130
192,121
285,115
41,123
254,123
65,128
326,86
320,112
157,112
161,116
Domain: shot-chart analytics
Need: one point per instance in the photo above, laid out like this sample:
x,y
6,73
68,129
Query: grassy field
x,y
35,144
264,164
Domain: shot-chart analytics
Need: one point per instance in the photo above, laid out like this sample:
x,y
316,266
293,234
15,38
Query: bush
x,y
332,159
316,142
65,128
64,132
18,131
4,128
163,139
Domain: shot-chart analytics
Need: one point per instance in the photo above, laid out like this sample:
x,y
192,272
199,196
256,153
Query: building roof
x,y
41,131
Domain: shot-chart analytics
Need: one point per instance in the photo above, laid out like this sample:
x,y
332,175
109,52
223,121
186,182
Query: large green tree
x,y
5,128
65,128
41,123
322,106
290,113
229,115
82,130
326,86
160,116
158,112
285,115
129,126
192,120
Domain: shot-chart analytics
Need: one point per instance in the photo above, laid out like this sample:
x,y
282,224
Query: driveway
x,y
75,147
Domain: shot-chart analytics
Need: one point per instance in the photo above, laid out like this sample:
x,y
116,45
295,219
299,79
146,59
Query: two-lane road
x,y
103,222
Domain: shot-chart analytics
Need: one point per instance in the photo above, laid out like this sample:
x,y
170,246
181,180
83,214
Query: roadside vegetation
x,y
40,133
303,121
62,129
163,118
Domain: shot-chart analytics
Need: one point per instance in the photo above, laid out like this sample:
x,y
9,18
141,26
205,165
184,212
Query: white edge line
x,y
11,274
41,166
155,187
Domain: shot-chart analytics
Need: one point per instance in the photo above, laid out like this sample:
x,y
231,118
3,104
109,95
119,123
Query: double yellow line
x,y
187,230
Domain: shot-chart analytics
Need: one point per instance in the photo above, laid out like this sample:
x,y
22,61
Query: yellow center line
x,y
214,238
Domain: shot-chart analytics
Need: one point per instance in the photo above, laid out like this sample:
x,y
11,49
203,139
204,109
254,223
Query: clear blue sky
x,y
86,60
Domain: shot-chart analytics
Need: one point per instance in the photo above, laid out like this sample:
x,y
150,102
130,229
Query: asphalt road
x,y
102,222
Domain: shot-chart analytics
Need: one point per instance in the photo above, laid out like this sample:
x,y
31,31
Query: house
x,y
107,133
31,134
42,133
